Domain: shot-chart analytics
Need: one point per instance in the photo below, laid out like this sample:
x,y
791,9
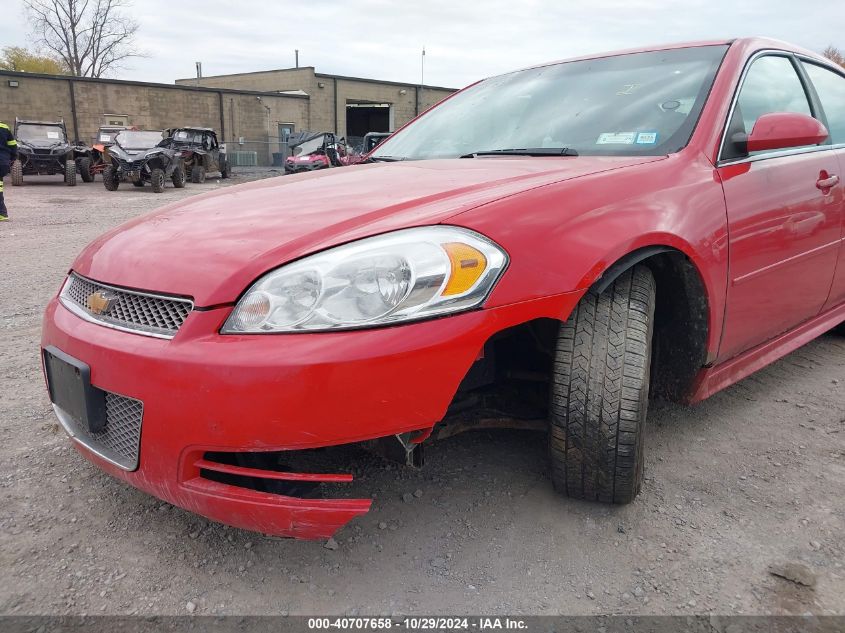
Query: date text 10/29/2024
x,y
421,623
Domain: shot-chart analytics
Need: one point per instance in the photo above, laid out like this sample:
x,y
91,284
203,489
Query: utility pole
x,y
199,72
419,90
296,55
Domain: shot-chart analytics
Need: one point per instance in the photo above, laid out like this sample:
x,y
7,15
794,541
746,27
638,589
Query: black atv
x,y
137,157
200,151
43,148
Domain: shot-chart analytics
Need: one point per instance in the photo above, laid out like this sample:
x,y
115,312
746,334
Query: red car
x,y
551,247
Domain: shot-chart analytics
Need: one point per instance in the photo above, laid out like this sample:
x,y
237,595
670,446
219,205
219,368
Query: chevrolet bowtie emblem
x,y
100,301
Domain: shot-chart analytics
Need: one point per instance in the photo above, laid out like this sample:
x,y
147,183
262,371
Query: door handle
x,y
827,183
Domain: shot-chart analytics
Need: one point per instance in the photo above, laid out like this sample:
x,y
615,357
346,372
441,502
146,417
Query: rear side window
x,y
771,85
830,87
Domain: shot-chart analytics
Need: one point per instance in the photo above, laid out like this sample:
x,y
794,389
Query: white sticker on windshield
x,y
646,138
52,135
104,138
616,138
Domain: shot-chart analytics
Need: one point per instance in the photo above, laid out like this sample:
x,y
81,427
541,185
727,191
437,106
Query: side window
x,y
771,85
831,89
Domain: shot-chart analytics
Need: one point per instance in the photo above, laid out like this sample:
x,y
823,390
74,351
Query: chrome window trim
x,y
87,316
67,425
776,52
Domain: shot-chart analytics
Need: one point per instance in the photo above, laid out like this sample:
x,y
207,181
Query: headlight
x,y
402,276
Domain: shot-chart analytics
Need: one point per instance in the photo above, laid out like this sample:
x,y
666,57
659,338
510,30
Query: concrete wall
x,y
152,106
330,94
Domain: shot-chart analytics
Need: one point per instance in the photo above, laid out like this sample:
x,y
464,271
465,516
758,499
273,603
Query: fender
x,y
593,227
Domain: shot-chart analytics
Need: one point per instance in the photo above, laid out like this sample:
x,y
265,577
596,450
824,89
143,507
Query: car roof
x,y
747,43
195,129
55,123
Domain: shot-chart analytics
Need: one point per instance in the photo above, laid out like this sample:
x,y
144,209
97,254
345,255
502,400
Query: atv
x,y
321,150
137,157
43,148
200,151
99,148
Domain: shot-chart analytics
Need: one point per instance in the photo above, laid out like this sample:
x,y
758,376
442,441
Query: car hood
x,y
213,246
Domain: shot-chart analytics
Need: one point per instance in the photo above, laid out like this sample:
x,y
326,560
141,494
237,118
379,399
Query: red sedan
x,y
550,247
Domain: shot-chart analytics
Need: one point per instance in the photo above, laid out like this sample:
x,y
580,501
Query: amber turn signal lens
x,y
468,264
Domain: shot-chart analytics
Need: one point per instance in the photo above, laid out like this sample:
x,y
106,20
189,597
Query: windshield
x,y
309,147
107,136
635,104
187,136
33,132
133,139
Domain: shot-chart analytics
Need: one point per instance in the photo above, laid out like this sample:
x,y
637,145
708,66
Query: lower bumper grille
x,y
120,440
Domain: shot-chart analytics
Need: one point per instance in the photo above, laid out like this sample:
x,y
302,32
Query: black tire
x,y
83,166
157,180
17,173
198,174
225,170
110,180
599,395
178,177
70,173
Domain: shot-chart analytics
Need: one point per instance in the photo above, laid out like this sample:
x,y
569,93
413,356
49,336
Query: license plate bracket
x,y
69,384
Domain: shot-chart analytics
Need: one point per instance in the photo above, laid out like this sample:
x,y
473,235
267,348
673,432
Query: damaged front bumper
x,y
209,403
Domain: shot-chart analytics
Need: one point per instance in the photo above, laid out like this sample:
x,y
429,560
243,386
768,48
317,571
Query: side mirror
x,y
782,130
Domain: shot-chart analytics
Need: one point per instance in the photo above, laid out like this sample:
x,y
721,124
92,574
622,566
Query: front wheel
x,y
83,166
17,173
599,395
178,177
110,179
157,180
70,173
198,174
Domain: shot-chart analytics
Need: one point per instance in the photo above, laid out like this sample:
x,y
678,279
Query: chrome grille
x,y
119,442
139,312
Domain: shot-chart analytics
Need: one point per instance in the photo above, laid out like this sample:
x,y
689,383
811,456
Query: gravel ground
x,y
750,479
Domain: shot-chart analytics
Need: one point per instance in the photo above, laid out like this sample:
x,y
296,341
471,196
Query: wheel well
x,y
512,377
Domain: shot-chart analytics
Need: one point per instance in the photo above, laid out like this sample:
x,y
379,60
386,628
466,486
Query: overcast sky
x,y
464,40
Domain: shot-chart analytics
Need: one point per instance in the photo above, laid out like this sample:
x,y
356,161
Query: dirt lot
x,y
753,477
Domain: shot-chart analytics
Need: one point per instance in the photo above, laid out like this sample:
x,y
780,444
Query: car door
x,y
829,85
784,222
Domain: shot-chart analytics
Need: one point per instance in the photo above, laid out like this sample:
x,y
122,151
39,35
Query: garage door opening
x,y
368,117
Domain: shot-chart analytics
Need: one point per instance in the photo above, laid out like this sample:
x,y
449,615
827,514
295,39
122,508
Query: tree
x,y
92,37
834,55
19,59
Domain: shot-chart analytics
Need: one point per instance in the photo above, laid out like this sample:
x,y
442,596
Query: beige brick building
x,y
348,106
252,112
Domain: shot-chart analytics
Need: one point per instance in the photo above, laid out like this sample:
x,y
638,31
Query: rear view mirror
x,y
782,130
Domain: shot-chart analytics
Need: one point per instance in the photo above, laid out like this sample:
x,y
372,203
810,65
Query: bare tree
x,y
834,55
91,37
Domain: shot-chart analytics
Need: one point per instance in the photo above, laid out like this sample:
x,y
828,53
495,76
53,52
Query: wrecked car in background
x,y
44,149
508,258
320,150
199,150
137,157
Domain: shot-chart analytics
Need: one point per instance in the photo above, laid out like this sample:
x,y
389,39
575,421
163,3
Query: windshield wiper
x,y
531,151
384,159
